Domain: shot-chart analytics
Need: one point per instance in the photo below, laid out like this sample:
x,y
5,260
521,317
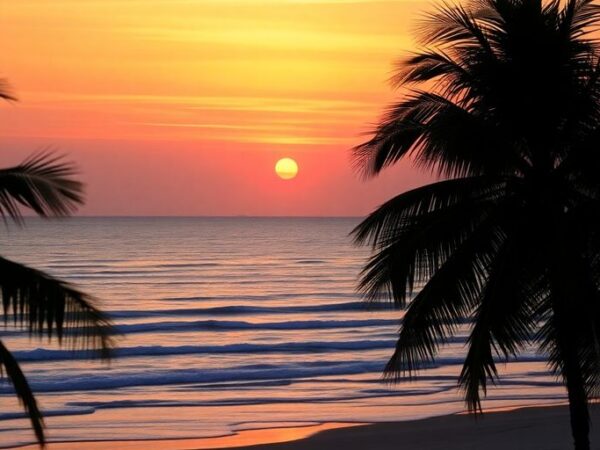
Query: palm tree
x,y
31,299
502,103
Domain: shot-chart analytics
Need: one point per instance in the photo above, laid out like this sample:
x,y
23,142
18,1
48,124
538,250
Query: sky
x,y
183,107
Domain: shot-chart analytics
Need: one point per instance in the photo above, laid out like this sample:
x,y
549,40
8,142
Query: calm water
x,y
227,324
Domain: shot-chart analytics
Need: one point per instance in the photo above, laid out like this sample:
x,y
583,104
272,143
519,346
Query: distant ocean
x,y
227,324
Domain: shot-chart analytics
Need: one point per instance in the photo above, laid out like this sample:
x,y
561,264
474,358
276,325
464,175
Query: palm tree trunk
x,y
578,406
567,295
575,383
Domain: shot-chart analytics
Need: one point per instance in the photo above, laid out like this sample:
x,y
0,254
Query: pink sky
x,y
183,107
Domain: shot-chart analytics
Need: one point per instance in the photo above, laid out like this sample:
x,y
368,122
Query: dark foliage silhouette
x,y
32,300
503,104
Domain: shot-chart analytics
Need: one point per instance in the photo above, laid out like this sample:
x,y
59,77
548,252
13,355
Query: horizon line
x,y
168,216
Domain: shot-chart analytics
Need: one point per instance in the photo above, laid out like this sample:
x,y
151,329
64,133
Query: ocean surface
x,y
226,324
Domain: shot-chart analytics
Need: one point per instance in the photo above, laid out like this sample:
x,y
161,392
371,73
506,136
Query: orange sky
x,y
182,107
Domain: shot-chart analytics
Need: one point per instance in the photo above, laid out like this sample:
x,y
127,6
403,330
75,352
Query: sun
x,y
286,168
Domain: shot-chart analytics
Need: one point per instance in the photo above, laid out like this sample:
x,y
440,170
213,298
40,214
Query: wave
x,y
278,296
42,354
117,266
246,310
428,395
220,325
95,381
79,410
310,347
237,401
257,372
232,325
167,279
344,396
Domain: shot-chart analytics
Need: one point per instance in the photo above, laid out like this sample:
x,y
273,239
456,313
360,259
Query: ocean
x,y
226,324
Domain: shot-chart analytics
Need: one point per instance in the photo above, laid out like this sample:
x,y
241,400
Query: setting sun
x,y
286,168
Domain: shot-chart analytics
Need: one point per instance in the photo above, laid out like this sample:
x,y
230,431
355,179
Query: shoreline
x,y
237,439
525,427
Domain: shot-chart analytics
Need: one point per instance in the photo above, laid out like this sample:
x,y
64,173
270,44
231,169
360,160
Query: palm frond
x,y
9,367
430,65
43,183
386,221
580,18
454,26
440,135
416,232
506,317
445,301
47,306
6,92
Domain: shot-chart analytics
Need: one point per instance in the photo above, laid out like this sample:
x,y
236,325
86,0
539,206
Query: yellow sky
x,y
276,76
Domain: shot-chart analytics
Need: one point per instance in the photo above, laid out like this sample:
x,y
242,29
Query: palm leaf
x,y
386,220
10,367
42,183
580,17
5,91
506,318
47,306
456,27
416,232
444,302
432,64
440,135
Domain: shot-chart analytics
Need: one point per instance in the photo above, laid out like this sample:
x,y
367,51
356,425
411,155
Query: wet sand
x,y
544,428
524,429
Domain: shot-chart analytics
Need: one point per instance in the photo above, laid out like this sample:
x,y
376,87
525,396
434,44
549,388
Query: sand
x,y
523,429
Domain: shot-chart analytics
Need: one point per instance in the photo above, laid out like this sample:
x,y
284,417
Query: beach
x,y
531,428
228,325
522,429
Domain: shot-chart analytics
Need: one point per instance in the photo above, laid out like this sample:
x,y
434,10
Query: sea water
x,y
226,324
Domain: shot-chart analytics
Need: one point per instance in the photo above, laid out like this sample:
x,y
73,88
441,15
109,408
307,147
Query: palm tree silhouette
x,y
31,299
503,104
